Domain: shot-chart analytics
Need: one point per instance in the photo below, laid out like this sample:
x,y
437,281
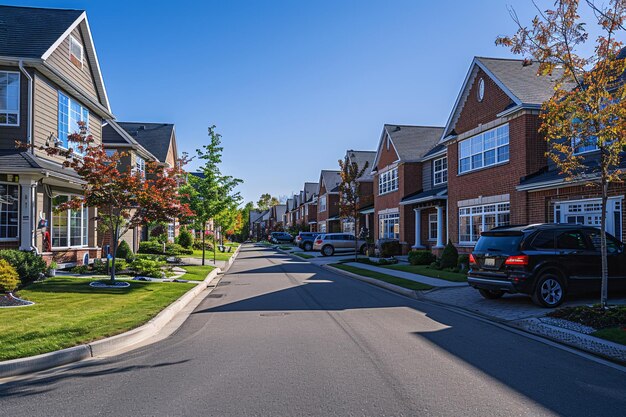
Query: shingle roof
x,y
435,150
19,161
360,157
433,194
28,32
310,189
413,142
331,180
522,80
155,137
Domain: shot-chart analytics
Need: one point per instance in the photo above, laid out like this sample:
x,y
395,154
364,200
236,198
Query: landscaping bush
x,y
152,257
197,245
435,265
450,256
9,278
174,249
124,252
421,257
80,269
151,246
185,239
29,266
388,248
462,262
156,248
147,268
594,316
159,232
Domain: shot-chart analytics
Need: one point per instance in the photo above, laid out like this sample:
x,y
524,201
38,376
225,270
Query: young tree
x,y
124,199
267,201
587,110
349,194
210,193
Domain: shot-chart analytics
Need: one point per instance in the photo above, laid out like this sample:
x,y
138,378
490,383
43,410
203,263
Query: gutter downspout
x,y
29,137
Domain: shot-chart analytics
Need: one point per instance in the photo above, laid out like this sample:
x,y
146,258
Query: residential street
x,y
281,337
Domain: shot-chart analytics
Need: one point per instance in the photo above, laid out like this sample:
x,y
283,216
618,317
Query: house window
x,y
440,171
348,227
171,231
483,150
322,227
583,146
432,226
322,204
388,181
69,227
588,213
9,211
389,226
140,165
9,98
76,52
477,219
70,113
306,210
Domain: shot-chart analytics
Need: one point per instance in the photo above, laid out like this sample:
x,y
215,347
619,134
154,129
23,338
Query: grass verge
x,y
208,255
303,255
68,312
401,282
430,272
616,334
196,272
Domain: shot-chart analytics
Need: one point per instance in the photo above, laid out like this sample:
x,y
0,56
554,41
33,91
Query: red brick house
x,y
365,184
328,220
492,142
397,172
309,205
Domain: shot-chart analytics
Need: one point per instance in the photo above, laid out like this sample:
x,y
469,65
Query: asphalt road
x,y
281,337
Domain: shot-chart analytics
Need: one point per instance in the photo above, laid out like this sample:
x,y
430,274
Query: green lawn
x,y
197,253
286,247
429,272
197,272
303,255
68,312
615,334
401,282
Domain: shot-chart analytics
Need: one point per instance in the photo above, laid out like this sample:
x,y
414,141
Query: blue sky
x,y
289,84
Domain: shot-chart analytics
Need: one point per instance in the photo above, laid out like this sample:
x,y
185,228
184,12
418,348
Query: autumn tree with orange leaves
x,y
587,113
349,193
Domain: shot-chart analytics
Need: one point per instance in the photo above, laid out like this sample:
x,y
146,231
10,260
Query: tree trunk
x,y
114,243
356,238
214,247
603,251
203,240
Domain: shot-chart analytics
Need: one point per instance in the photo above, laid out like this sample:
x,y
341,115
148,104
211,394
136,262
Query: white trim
x,y
67,213
430,223
82,51
441,171
384,135
19,100
19,212
65,34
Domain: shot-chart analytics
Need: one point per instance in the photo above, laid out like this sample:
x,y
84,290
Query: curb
x,y
49,360
390,287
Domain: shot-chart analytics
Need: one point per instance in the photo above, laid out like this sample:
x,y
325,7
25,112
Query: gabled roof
x,y
361,157
439,150
289,204
330,180
513,76
114,135
156,137
310,190
410,142
278,211
34,33
16,161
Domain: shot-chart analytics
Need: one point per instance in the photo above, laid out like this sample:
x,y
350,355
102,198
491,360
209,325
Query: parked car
x,y
329,243
280,237
545,261
304,240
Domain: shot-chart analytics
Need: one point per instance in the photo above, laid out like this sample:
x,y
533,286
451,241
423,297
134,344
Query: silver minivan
x,y
329,243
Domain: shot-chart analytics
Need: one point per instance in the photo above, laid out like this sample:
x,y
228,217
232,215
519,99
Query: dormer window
x,y
76,52
440,171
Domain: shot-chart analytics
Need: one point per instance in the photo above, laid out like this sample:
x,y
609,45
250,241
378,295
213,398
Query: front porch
x,y
430,219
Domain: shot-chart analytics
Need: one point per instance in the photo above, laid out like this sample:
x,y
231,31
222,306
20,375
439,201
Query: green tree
x,y
266,201
587,110
349,194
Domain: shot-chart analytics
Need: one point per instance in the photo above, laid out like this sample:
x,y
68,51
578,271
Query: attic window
x,y
480,94
76,52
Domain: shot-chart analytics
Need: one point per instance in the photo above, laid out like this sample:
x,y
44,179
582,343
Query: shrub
x,y
389,248
421,257
152,257
450,256
124,252
151,246
463,262
174,249
147,268
185,239
435,265
29,265
197,245
9,278
159,232
156,248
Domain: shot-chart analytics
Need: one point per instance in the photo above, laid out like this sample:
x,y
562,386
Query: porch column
x,y
418,232
439,227
27,214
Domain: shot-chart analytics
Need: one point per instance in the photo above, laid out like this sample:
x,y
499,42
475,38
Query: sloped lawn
x,y
68,313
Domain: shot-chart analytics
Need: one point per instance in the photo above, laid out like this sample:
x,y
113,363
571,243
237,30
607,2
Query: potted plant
x,y
52,269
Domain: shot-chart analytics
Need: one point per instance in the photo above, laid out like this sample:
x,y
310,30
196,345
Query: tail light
x,y
521,260
472,260
318,242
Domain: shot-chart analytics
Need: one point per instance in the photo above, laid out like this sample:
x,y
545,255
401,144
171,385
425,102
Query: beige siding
x,y
45,114
60,59
95,128
9,134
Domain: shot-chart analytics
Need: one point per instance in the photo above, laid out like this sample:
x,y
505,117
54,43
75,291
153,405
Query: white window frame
x,y
388,181
84,228
586,149
384,220
440,174
140,165
322,204
478,146
81,58
8,112
17,236
494,209
587,209
63,140
432,220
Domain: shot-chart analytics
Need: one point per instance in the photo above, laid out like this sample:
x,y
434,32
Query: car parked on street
x,y
280,237
545,261
304,240
329,243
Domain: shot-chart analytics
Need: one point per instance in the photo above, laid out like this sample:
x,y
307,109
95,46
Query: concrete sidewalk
x,y
433,282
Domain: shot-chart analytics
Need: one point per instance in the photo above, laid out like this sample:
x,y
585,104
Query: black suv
x,y
545,261
304,240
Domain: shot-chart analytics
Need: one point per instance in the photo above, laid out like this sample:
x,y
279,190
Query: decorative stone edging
x,y
18,302
117,284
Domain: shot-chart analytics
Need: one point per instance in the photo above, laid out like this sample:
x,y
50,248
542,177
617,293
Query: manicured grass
x,y
304,255
68,312
220,256
286,247
429,272
196,272
401,282
616,334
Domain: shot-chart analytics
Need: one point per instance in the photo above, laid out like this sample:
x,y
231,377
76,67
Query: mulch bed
x,y
8,300
595,317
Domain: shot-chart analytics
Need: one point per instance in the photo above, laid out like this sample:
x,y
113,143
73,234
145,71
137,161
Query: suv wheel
x,y
549,291
491,294
328,250
307,246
